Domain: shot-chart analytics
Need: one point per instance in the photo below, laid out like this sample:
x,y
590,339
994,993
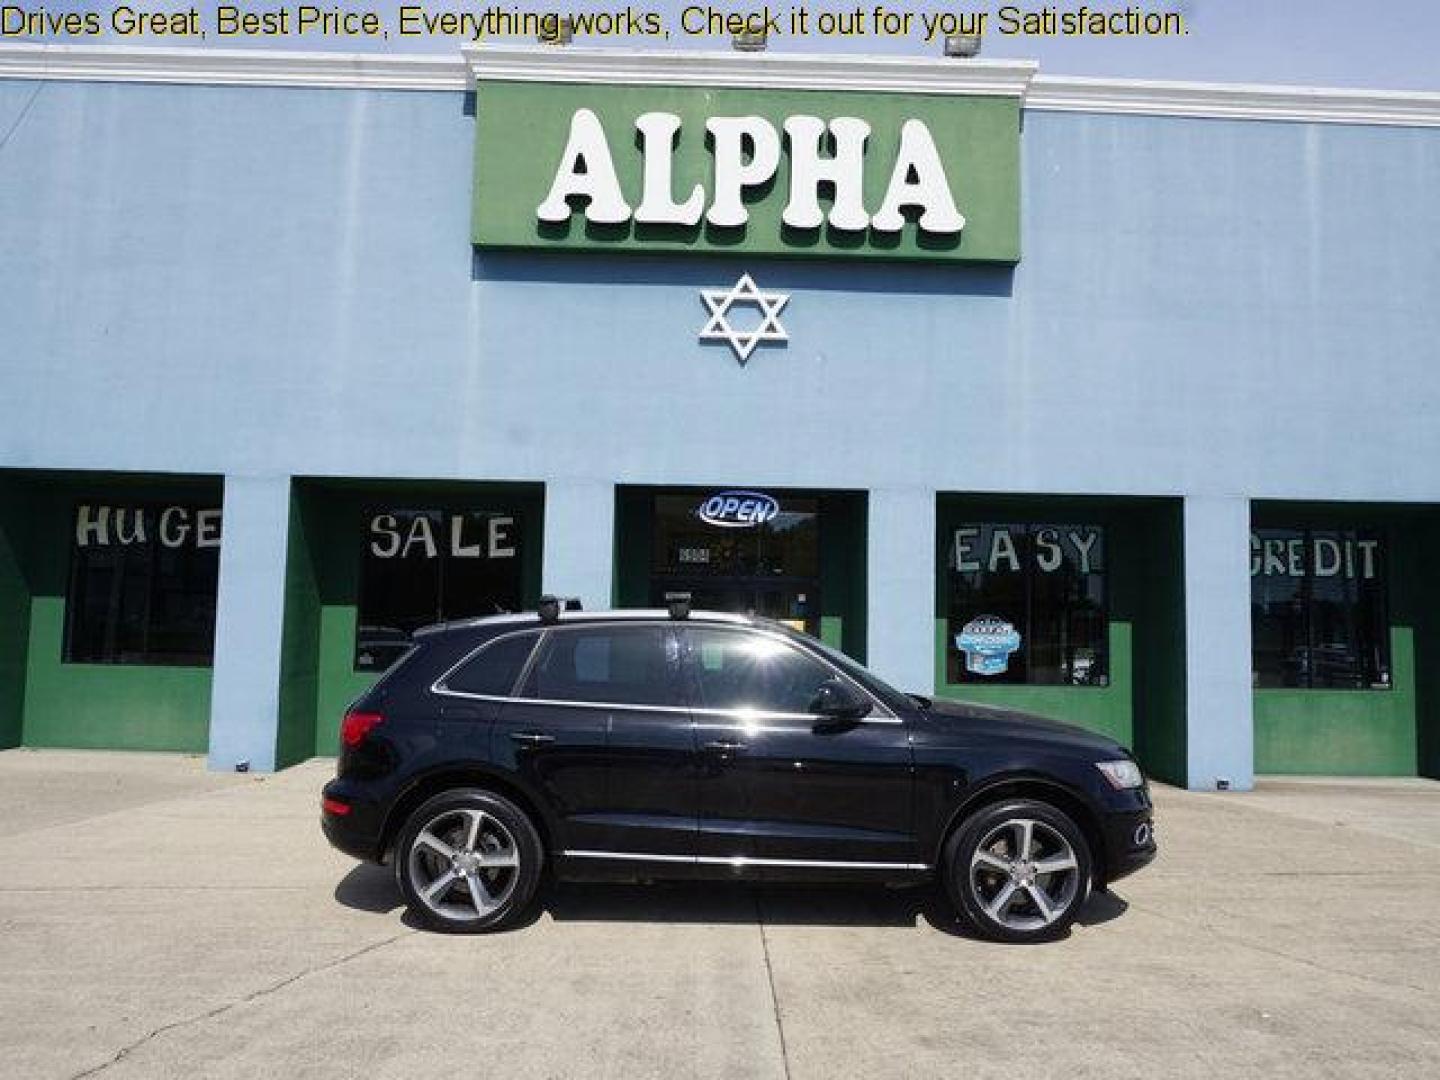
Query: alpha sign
x,y
746,150
852,175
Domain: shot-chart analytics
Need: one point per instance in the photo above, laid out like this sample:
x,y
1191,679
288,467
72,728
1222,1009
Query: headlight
x,y
1122,774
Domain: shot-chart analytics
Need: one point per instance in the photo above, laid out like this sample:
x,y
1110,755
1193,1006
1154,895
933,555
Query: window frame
x,y
678,630
1307,531
369,512
543,637
144,504
1028,571
442,684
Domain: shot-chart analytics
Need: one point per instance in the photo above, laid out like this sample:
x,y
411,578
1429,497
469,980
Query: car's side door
x,y
779,784
600,724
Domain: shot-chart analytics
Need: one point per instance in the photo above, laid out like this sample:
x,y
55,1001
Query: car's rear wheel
x,y
1018,871
468,861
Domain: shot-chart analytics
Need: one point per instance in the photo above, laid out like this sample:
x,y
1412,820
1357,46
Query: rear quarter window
x,y
493,671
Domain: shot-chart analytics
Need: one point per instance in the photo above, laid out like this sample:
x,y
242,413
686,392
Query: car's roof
x,y
530,618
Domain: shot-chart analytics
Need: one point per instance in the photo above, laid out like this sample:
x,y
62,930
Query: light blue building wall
x,y
262,283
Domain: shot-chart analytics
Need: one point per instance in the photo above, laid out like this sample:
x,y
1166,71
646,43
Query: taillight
x,y
357,725
335,806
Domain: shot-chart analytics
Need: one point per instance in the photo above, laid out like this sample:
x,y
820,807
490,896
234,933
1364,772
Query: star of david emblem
x,y
744,292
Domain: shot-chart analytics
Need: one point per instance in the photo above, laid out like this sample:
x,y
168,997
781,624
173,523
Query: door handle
x,y
724,746
532,738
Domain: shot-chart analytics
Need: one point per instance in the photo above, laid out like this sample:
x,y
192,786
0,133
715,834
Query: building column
x,y
1219,700
580,541
900,636
249,622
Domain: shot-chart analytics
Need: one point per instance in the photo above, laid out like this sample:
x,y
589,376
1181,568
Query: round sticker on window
x,y
987,642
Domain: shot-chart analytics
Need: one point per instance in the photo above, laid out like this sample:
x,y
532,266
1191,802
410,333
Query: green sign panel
x,y
771,173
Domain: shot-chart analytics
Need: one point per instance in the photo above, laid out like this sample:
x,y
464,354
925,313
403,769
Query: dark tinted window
x,y
626,665
427,566
686,544
495,669
1317,609
1027,604
142,585
738,670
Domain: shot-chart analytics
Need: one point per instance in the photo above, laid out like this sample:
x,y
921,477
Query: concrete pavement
x,y
160,921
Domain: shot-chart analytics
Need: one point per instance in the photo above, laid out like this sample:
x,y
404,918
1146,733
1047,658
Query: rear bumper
x,y
358,831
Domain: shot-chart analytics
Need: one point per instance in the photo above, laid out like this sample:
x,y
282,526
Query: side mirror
x,y
836,702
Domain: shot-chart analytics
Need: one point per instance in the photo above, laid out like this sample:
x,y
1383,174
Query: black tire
x,y
475,889
1005,898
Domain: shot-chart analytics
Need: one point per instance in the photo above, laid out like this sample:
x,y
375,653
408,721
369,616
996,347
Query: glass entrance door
x,y
768,567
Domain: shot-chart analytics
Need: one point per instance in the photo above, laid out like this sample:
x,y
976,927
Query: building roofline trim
x,y
1234,101
232,67
459,71
761,71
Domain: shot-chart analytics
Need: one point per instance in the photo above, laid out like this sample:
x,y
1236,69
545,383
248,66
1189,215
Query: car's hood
x,y
967,716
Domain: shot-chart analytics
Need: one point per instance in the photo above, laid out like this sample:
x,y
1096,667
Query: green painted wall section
x,y
112,706
1105,709
522,130
1156,546
299,670
1144,704
1427,651
109,706
1364,732
844,581
1349,732
14,617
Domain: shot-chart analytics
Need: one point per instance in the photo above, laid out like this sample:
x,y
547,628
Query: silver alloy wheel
x,y
464,864
1024,874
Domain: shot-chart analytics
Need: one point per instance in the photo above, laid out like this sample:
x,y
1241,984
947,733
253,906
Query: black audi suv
x,y
672,744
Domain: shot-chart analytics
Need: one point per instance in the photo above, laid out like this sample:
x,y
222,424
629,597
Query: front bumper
x,y
1129,828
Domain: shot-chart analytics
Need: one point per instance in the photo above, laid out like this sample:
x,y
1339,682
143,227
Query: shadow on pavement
x,y
372,888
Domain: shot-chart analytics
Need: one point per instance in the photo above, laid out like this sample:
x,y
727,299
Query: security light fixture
x,y
962,46
556,30
749,41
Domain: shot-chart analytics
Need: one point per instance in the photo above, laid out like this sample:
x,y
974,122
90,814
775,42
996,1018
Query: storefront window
x,y
1027,605
142,585
1318,615
427,566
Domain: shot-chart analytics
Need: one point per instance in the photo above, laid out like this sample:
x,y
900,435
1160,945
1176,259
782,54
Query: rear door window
x,y
610,665
495,669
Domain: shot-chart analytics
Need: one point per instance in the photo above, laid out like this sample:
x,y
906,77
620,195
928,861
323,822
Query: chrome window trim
x,y
883,716
742,861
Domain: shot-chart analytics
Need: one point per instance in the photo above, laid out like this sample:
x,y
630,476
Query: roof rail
x,y
550,607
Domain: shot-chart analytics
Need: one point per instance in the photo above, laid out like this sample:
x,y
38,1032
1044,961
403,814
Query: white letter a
x,y
929,192
586,169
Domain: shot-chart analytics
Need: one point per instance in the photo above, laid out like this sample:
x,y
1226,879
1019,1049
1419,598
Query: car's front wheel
x,y
468,861
1018,871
